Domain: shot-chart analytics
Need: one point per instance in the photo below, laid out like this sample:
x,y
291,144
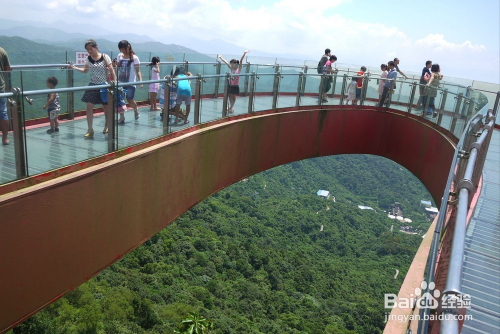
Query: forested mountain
x,y
254,258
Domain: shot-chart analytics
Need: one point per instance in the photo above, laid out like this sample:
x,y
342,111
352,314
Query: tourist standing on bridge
x,y
4,119
53,107
321,65
432,86
359,84
426,75
382,81
328,69
128,70
153,88
234,82
396,63
183,95
99,65
389,83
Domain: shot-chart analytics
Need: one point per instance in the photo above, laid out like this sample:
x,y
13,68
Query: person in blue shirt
x,y
393,74
183,94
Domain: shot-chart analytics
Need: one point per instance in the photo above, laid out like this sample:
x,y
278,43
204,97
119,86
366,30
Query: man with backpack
x,y
321,65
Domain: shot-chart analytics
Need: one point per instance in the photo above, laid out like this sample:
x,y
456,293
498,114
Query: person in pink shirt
x,y
234,82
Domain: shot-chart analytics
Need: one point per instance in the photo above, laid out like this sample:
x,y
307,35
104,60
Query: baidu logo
x,y
425,300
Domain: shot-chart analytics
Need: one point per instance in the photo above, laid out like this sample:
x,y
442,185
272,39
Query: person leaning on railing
x,y
389,84
424,78
432,86
4,118
396,63
329,70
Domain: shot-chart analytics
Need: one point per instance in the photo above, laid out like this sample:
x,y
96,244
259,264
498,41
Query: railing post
x,y
321,89
276,86
399,92
197,99
412,95
443,104
8,88
253,77
186,69
166,106
299,89
472,103
495,106
18,129
112,106
217,80
303,90
71,96
226,91
245,87
457,112
334,83
342,91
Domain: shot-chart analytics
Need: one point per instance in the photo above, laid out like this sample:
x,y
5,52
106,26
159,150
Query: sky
x,y
462,36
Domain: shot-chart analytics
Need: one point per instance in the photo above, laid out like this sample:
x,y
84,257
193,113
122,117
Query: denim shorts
x,y
3,108
130,92
358,93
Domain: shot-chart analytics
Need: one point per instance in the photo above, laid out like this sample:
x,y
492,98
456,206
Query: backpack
x,y
321,64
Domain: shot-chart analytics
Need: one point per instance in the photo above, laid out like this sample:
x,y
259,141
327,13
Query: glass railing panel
x,y
311,87
263,97
8,171
403,91
62,143
195,68
210,107
372,91
134,130
266,80
36,79
209,69
199,57
287,92
39,57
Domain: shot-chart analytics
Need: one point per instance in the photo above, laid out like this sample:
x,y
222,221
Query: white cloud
x,y
437,43
284,26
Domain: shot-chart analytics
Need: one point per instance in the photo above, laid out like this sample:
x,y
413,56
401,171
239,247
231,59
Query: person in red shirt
x,y
359,86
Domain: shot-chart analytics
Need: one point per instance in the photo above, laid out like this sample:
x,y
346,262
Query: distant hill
x,y
57,35
15,44
112,45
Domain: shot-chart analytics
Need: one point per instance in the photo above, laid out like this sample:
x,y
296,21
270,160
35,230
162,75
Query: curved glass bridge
x,y
454,152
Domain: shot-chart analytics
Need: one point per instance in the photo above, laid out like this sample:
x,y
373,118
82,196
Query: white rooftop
x,y
391,216
408,220
432,210
323,193
365,207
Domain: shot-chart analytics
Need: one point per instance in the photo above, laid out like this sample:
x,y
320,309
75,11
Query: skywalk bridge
x,y
117,190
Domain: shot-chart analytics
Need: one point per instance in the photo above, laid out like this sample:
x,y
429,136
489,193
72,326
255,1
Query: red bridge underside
x,y
57,234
